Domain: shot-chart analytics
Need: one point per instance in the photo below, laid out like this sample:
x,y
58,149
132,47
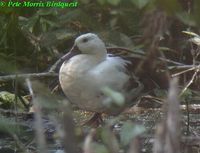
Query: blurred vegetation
x,y
32,39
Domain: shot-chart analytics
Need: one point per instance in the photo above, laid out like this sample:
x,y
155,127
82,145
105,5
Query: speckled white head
x,y
90,44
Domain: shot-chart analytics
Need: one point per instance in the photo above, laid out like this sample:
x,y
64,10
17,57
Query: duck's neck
x,y
101,56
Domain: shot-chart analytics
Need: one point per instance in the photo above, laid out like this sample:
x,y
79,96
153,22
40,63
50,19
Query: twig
x,y
170,61
191,81
143,54
123,48
29,75
57,64
52,71
183,67
182,72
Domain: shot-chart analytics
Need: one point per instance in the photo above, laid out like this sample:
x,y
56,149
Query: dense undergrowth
x,y
33,39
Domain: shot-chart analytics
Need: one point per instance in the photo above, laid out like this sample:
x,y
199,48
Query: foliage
x,y
134,131
8,99
32,39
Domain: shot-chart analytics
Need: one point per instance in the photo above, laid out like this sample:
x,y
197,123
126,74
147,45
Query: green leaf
x,y
140,3
71,15
114,2
50,23
195,39
7,99
60,35
32,22
113,97
190,33
130,131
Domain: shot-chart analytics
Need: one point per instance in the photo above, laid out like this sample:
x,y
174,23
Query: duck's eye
x,y
85,40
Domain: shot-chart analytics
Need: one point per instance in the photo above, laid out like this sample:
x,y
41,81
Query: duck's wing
x,y
113,73
151,71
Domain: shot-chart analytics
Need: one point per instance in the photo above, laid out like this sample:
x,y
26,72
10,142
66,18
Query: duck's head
x,y
89,44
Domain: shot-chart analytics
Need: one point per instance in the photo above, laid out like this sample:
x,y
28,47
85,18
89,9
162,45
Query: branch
x,y
53,71
29,75
143,54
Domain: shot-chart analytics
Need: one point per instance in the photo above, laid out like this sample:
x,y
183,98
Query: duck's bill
x,y
73,52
